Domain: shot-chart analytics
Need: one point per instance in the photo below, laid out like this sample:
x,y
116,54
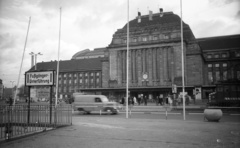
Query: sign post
x,y
39,78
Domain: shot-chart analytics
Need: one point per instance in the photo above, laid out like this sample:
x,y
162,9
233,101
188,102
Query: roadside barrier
x,y
20,120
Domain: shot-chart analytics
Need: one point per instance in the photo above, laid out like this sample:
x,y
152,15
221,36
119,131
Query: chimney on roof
x,y
139,17
150,15
161,12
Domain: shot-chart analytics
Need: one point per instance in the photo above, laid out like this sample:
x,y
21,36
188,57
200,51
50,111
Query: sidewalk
x,y
107,132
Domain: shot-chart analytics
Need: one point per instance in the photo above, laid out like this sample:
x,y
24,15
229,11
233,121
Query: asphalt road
x,y
191,116
139,131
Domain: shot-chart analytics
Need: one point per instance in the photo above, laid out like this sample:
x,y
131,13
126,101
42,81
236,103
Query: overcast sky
x,y
89,24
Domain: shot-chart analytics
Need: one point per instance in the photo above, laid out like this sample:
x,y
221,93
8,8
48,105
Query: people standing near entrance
x,y
170,101
134,100
166,100
145,100
157,101
123,101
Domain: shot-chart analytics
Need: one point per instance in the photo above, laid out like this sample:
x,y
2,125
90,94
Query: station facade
x,y
155,61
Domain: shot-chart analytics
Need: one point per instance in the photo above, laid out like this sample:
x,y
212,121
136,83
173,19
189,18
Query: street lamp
x,y
33,54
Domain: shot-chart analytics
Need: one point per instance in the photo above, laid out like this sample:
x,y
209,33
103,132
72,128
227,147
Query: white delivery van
x,y
89,103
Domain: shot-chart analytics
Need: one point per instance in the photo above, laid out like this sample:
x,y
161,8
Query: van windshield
x,y
104,99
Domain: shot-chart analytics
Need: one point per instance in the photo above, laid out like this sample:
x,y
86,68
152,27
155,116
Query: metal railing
x,y
21,120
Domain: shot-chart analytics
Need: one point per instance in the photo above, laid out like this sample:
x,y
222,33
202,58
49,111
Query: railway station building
x,y
155,61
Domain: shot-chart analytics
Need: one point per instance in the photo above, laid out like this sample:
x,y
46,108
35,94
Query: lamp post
x,y
35,55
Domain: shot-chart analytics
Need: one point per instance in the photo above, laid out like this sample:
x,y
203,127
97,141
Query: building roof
x,y
168,25
168,18
71,65
96,53
220,42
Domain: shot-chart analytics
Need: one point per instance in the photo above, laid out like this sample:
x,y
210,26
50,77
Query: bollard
x,y
130,112
166,112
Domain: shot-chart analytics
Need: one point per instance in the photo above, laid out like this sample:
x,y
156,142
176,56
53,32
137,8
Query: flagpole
x,y
127,59
59,39
19,75
183,83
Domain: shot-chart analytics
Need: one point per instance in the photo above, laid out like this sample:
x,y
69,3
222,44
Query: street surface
x,y
141,130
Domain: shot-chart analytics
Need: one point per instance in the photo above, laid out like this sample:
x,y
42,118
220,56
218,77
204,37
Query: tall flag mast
x,y
56,97
19,75
183,84
127,58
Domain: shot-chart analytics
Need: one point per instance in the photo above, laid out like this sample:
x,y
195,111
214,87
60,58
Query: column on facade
x,y
150,65
165,65
161,66
172,64
143,61
124,66
134,66
154,66
119,68
158,64
139,66
130,67
168,57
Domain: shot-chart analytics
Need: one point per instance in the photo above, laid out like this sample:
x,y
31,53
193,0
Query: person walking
x,y
134,100
170,101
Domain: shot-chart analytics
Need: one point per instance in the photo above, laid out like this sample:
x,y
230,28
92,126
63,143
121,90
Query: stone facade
x,y
155,50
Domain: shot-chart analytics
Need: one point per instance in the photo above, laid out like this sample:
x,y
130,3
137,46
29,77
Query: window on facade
x,y
70,82
92,81
69,75
91,73
59,89
209,65
64,81
139,38
216,65
80,81
80,75
75,75
144,39
216,56
97,74
238,75
59,76
86,74
224,55
65,89
134,39
124,41
224,75
209,56
75,81
210,77
237,54
76,89
217,75
59,82
97,80
224,65
150,38
65,75
155,37
86,81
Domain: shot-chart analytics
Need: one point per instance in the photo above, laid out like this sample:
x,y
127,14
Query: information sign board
x,y
39,78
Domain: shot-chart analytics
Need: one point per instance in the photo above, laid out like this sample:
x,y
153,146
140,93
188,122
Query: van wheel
x,y
87,112
109,110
